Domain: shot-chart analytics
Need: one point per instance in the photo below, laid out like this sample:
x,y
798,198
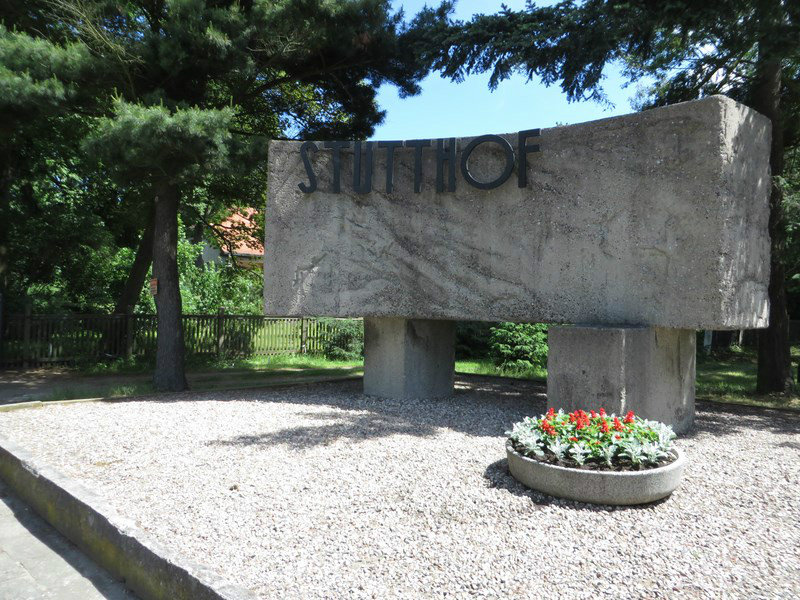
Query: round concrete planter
x,y
597,487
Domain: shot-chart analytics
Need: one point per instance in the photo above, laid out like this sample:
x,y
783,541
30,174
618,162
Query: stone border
x,y
108,538
618,488
40,403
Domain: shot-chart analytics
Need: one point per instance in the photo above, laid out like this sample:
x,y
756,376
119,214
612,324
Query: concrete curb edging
x,y
108,538
616,488
40,403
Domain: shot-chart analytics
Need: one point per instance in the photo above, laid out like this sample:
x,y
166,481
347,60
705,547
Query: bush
x,y
473,339
519,346
346,341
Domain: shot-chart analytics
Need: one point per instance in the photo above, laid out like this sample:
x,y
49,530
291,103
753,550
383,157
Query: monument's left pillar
x,y
408,358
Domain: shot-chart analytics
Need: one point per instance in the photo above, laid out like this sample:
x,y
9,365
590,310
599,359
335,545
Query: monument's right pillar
x,y
649,370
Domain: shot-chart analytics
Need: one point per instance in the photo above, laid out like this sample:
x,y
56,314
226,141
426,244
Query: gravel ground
x,y
320,492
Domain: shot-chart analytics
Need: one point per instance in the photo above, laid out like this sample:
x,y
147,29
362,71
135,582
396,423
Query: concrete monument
x,y
640,229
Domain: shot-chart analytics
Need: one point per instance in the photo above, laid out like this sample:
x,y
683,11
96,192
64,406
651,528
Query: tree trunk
x,y
138,273
774,359
722,339
169,374
197,238
6,179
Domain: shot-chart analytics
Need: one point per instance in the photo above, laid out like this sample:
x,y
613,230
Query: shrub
x,y
594,440
473,339
346,341
519,346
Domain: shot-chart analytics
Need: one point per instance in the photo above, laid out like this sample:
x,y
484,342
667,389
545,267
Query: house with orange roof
x,y
239,239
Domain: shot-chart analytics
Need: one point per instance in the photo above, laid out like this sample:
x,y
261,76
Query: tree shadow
x,y
494,405
792,445
733,419
341,426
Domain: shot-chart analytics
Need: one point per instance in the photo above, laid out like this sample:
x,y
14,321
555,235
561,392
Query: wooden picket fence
x,y
28,340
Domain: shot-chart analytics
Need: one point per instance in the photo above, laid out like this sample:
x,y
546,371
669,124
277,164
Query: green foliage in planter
x,y
346,341
518,346
594,440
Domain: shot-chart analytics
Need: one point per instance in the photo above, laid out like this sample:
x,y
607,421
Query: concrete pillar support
x,y
408,358
649,370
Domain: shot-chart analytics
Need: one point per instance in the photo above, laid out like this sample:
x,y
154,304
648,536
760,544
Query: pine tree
x,y
41,81
193,89
747,49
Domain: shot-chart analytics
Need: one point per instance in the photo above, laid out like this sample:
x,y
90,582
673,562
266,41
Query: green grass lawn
x,y
486,367
202,364
728,377
301,362
731,377
241,375
81,391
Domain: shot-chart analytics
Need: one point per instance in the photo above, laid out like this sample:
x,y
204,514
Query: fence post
x,y
303,335
130,323
26,335
220,330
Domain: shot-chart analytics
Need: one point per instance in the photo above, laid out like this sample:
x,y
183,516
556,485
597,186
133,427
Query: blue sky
x,y
445,109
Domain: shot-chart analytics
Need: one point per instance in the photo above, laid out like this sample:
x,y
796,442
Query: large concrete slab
x,y
655,218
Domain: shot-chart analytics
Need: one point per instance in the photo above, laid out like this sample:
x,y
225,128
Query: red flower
x,y
573,439
604,426
602,412
619,437
594,414
617,424
629,417
551,412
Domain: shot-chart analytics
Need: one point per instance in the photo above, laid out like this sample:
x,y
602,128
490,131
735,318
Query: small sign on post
x,y
153,287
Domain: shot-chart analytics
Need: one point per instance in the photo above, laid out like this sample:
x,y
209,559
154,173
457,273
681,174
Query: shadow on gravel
x,y
732,419
500,478
480,406
338,426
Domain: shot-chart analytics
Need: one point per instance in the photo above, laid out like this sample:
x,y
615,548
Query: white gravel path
x,y
321,492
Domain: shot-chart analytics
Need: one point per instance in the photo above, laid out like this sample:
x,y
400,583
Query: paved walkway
x,y
37,562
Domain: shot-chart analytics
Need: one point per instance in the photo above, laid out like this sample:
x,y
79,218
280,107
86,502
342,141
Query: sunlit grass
x,y
285,361
728,377
487,367
109,391
211,363
731,378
